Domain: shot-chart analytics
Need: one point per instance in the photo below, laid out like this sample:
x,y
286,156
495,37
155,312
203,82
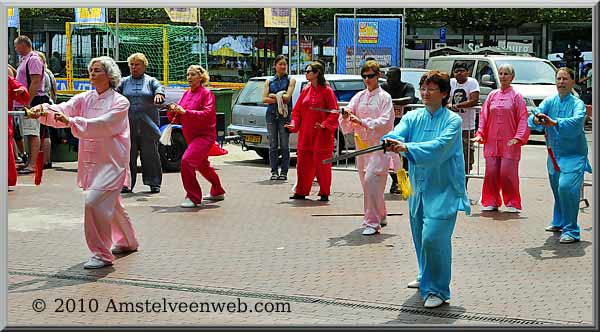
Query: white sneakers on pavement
x,y
567,239
119,250
369,231
414,284
95,263
512,209
489,208
214,198
433,301
552,228
187,203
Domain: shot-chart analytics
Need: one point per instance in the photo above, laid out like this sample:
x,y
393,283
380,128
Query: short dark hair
x,y
279,58
23,40
442,79
370,64
460,65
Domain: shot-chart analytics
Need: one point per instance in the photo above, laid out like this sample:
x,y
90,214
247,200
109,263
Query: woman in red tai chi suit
x,y
316,132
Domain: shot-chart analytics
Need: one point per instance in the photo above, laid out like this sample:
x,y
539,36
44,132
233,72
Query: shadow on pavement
x,y
440,315
179,209
553,249
72,276
355,238
499,216
63,169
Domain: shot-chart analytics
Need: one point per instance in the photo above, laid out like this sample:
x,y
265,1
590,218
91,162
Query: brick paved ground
x,y
259,246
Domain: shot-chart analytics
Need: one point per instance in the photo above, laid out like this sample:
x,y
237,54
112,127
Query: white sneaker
x,y
95,263
414,284
383,222
187,203
489,208
512,209
567,239
369,231
433,301
214,198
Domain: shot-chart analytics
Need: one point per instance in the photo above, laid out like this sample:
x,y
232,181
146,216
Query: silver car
x,y
248,113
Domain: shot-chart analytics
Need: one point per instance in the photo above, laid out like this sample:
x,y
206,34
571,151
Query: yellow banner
x,y
279,17
183,14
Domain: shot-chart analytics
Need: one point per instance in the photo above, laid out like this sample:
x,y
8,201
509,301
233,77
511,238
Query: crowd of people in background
x,y
118,120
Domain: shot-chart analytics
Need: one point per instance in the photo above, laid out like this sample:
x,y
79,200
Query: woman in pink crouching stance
x,y
195,111
98,118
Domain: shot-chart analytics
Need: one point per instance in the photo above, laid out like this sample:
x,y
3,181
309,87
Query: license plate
x,y
253,139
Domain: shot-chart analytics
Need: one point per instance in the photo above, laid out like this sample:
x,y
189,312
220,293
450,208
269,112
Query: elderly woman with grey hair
x,y
144,92
98,118
503,130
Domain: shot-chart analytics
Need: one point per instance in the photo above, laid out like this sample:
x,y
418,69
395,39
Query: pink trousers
x,y
106,222
501,175
195,158
373,186
310,163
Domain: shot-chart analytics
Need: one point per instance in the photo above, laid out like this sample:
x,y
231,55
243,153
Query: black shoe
x,y
394,189
296,196
282,177
125,190
274,176
47,165
324,198
154,189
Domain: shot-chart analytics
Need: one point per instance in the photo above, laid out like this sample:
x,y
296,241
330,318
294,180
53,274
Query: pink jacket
x,y
200,118
376,112
503,117
101,124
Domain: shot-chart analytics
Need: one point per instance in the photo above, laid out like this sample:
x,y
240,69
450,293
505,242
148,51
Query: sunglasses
x,y
311,71
366,76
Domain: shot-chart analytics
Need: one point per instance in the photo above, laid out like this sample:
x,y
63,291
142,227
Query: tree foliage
x,y
482,19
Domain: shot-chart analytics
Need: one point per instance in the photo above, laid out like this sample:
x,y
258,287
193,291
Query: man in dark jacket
x,y
398,89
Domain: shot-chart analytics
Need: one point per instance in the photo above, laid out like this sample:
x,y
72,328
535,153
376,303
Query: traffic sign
x,y
442,35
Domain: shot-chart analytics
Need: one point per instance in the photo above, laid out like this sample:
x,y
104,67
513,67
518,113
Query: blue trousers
x,y
433,244
279,142
566,188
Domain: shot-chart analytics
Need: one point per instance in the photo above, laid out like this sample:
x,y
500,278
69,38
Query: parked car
x,y
248,114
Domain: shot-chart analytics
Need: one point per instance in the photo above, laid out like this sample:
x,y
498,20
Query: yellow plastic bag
x,y
359,142
403,181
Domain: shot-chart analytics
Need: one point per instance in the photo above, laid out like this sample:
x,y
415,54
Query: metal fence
x,y
478,167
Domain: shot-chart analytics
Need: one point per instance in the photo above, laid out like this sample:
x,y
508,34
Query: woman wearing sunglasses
x,y
316,132
371,115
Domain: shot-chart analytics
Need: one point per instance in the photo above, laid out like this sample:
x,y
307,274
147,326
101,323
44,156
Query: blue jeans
x,y
279,141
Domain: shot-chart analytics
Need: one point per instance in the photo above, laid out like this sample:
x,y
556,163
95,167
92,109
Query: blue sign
x,y
377,38
13,17
442,35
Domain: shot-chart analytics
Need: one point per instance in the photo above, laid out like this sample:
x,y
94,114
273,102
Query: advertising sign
x,y
378,38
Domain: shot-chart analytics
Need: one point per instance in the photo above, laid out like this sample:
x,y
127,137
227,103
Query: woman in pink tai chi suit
x,y
98,118
503,130
196,112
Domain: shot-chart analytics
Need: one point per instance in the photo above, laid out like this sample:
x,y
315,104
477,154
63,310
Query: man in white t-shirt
x,y
464,95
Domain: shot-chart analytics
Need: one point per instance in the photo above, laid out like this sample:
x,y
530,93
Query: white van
x,y
534,77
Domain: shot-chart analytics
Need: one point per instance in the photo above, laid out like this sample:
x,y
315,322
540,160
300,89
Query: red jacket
x,y
304,119
23,98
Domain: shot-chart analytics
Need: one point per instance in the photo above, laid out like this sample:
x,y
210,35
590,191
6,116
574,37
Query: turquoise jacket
x,y
567,139
436,163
